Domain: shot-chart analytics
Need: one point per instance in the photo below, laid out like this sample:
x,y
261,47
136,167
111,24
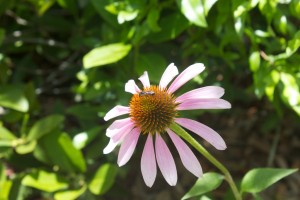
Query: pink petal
x,y
110,147
165,161
193,104
122,132
128,147
116,111
145,80
208,92
148,162
118,125
187,157
168,75
203,131
185,76
131,87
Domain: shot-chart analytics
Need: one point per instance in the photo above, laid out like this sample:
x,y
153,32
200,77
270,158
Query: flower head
x,y
151,112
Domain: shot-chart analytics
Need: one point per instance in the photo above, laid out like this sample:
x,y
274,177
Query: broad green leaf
x,y
69,4
254,61
57,149
103,179
45,181
194,11
73,154
69,194
207,183
100,7
105,55
268,8
45,126
295,8
26,148
152,19
171,26
257,180
12,96
5,134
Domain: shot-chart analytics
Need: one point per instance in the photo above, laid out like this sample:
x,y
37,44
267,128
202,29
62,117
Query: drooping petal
x,y
185,76
131,87
165,161
187,157
148,162
118,125
110,146
208,92
193,104
128,147
116,111
203,131
145,80
168,75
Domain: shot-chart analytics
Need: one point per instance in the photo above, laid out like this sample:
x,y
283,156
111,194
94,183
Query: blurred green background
x,y
64,64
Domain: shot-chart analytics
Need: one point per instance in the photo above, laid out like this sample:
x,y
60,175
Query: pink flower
x,y
151,111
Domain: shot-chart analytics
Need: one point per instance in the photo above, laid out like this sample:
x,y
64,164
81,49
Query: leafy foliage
x,y
54,94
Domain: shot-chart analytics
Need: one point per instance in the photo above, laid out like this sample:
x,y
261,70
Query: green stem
x,y
181,132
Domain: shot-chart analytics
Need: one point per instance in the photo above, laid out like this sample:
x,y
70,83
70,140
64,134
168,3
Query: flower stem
x,y
181,132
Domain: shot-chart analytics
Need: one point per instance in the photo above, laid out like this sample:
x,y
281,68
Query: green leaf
x,y
73,154
26,148
257,180
45,126
207,183
69,194
5,134
254,61
12,96
152,19
103,179
57,149
45,181
194,11
105,55
290,92
207,5
80,140
171,26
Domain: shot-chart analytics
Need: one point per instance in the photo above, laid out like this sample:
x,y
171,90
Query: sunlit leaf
x,y
5,134
254,61
106,55
290,93
45,126
12,96
69,194
80,140
103,179
207,183
45,181
257,180
194,11
26,148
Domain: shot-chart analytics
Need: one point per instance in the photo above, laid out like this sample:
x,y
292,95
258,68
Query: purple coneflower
x,y
151,112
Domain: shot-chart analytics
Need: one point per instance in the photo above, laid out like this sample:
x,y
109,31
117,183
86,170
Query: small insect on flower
x,y
146,93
